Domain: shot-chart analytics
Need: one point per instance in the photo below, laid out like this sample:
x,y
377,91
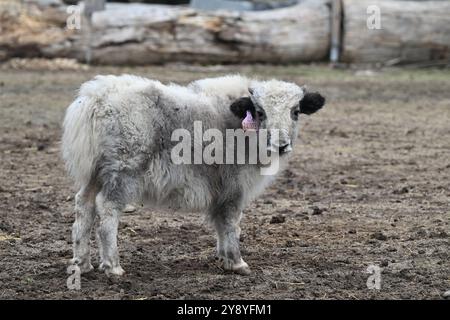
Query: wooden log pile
x,y
28,30
146,34
142,34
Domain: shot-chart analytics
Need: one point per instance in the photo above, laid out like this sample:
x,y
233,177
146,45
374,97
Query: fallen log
x,y
410,31
140,34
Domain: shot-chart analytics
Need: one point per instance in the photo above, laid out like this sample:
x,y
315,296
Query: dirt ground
x,y
369,184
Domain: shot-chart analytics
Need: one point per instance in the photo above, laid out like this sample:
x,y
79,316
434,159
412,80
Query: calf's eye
x,y
260,114
295,113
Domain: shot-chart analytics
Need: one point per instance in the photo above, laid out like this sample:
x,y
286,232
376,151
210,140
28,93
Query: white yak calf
x,y
117,145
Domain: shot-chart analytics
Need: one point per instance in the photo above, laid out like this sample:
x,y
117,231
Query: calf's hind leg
x,y
108,211
81,229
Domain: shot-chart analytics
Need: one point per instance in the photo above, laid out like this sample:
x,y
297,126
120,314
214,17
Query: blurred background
x,y
367,184
227,31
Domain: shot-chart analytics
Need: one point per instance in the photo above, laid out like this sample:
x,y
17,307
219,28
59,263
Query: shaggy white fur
x,y
117,142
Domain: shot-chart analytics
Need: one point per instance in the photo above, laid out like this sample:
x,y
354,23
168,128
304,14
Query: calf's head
x,y
277,106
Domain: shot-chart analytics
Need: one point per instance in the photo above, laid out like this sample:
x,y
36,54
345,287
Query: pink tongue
x,y
249,123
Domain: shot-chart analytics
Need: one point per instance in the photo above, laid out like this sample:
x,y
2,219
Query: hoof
x,y
85,266
129,209
114,271
446,295
242,269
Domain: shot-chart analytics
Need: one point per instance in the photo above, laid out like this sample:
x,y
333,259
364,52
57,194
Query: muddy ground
x,y
369,184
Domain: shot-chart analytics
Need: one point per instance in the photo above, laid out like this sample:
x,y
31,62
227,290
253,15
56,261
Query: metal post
x,y
336,30
90,6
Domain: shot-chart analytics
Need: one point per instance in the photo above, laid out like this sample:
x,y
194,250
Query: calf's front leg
x,y
226,223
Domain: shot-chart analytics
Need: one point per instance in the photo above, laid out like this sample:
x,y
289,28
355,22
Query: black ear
x,y
311,102
241,106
